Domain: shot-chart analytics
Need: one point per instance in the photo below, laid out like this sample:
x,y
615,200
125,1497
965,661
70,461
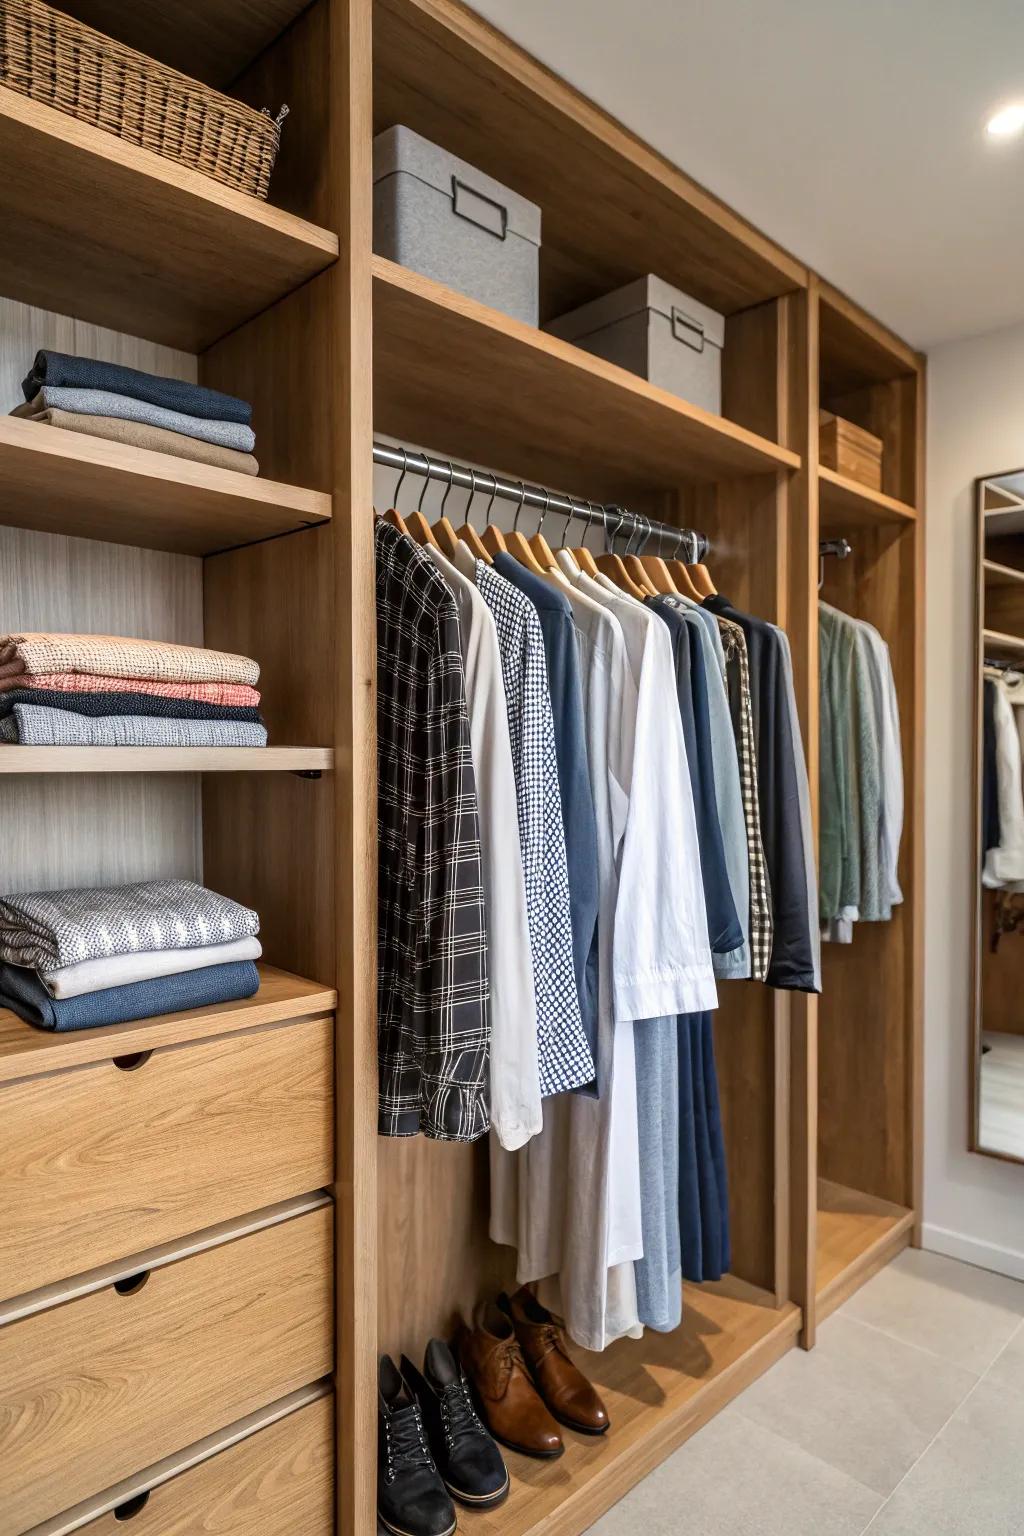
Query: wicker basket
x,y
55,59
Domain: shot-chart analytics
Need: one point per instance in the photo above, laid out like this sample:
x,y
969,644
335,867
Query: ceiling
x,y
852,133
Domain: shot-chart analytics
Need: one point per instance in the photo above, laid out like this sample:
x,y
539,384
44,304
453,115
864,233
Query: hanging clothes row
x,y
861,776
1002,777
593,803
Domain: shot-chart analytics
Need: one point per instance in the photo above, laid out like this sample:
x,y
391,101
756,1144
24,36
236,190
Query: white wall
x,y
973,1205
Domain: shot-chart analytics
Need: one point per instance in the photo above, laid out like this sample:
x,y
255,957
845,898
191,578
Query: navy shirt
x,y
578,814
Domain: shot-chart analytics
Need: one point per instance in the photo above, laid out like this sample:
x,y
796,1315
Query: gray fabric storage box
x,y
441,217
657,331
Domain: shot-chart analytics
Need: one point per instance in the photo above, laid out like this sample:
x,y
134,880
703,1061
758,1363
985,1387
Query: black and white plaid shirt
x,y
734,644
433,1024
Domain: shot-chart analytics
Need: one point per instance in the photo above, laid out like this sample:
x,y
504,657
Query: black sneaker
x,y
411,1498
467,1458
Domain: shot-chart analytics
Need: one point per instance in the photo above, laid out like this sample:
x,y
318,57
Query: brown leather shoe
x,y
508,1398
561,1384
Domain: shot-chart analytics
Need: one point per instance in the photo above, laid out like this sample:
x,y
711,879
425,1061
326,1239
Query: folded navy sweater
x,y
24,994
98,704
63,371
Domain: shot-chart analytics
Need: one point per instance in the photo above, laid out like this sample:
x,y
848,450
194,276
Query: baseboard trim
x,y
971,1250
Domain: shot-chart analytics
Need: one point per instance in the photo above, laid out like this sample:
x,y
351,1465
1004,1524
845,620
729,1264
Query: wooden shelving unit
x,y
998,641
997,575
54,481
504,383
157,249
284,304
845,501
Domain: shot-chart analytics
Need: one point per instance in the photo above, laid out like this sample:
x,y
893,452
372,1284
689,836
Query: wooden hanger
x,y
612,566
539,544
518,545
443,532
493,539
581,554
468,534
701,578
392,515
635,568
681,575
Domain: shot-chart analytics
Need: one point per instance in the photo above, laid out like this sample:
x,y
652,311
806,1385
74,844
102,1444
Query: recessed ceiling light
x,y
1006,122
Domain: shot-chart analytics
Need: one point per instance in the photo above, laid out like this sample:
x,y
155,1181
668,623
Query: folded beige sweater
x,y
139,434
117,656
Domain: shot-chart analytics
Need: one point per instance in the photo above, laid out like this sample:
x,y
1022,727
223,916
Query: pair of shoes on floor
x,y
432,1447
525,1379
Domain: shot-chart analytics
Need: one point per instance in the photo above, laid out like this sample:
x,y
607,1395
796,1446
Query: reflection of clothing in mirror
x,y
1004,864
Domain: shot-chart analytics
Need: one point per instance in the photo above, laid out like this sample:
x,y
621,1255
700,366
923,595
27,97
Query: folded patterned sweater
x,y
48,929
77,684
122,656
126,704
33,725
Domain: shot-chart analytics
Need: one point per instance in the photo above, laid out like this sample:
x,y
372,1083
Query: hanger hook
x,y
568,519
448,487
472,493
648,530
426,483
544,512
405,466
494,492
522,498
609,536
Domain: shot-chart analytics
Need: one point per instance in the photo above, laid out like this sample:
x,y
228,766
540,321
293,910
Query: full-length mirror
x,y
997,1038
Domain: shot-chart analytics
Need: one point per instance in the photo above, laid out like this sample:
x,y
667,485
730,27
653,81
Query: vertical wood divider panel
x,y
797,1012
914,592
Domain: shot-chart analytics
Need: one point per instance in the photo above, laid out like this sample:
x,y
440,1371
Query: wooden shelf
x,y
55,481
15,759
116,235
999,641
856,349
658,1392
211,40
857,1235
856,504
25,1050
612,208
472,382
997,575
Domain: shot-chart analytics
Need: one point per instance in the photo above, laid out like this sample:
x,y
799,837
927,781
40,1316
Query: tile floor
x,y
907,1420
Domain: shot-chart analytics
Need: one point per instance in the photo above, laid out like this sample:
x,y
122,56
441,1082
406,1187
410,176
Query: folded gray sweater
x,y
47,929
36,725
103,402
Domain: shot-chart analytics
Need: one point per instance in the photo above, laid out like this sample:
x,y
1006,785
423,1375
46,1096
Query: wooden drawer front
x,y
100,1162
103,1386
278,1482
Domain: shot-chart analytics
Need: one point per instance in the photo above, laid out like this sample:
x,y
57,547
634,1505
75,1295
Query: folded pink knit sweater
x,y
234,694
124,657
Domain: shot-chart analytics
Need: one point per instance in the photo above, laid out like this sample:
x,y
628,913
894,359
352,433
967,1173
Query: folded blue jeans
x,y
24,994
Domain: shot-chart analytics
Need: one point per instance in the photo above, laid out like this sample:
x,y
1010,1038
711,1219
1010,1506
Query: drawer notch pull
x,y
131,1285
133,1062
132,1507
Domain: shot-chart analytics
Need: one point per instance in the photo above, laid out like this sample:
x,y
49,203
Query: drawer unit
x,y
113,1380
130,1152
270,1475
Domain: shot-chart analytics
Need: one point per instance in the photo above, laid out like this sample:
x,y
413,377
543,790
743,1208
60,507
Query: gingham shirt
x,y
737,667
563,1052
433,1024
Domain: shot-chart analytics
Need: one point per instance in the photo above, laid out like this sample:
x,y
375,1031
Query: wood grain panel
x,y
856,349
99,1161
503,383
109,1382
277,1482
888,411
857,1233
25,1052
160,250
612,208
16,760
211,40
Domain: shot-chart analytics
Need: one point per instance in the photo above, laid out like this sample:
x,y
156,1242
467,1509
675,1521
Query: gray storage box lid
x,y
485,201
687,316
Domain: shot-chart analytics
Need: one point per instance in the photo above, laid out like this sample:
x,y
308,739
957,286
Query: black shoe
x,y
467,1458
411,1498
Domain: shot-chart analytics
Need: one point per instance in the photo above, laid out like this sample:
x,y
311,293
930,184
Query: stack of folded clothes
x,y
167,415
82,958
108,691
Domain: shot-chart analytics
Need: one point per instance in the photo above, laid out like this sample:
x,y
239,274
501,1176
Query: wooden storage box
x,y
123,1154
850,450
102,1382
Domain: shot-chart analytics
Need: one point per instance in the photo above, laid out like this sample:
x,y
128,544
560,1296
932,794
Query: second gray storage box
x,y
439,216
657,331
